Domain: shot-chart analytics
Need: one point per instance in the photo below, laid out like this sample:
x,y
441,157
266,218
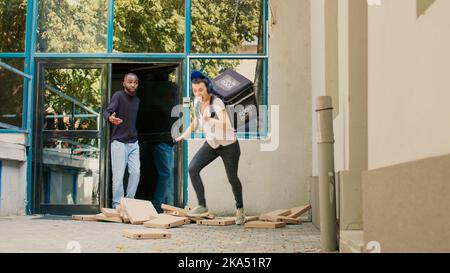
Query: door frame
x,y
63,209
104,134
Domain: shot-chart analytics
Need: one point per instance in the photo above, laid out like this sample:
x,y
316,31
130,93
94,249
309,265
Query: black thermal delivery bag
x,y
238,94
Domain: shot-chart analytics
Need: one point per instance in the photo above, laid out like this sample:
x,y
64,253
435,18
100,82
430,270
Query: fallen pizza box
x,y
264,224
176,213
204,216
195,218
174,210
110,212
102,217
141,234
247,218
289,220
298,211
123,214
216,222
120,210
138,211
285,219
279,212
273,215
85,217
166,221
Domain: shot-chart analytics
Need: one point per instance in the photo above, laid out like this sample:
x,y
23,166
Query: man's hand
x,y
115,121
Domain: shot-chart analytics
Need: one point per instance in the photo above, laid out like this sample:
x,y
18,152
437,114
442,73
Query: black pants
x,y
206,154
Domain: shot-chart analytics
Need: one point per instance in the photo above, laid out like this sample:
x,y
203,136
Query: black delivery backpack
x,y
238,94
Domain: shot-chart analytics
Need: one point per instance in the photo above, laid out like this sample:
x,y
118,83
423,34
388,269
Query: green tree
x,y
81,84
11,94
12,25
72,26
156,26
12,39
217,26
222,27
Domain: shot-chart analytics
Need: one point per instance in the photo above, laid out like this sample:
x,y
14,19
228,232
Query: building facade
x,y
383,62
60,63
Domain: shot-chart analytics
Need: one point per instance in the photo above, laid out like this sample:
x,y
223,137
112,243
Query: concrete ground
x,y
45,233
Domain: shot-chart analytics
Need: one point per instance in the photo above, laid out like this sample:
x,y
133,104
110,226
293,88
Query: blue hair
x,y
197,75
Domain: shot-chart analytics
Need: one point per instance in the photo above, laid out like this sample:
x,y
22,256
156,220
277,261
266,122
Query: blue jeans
x,y
163,160
123,154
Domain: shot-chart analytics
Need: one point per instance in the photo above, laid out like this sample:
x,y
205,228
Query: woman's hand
x,y
206,116
180,138
205,119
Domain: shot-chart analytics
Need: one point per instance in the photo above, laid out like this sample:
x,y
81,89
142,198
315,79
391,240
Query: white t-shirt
x,y
215,135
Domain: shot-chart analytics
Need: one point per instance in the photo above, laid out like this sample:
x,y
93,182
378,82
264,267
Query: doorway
x,y
71,158
159,91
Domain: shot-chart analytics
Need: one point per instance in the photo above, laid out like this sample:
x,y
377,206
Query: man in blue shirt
x,y
122,113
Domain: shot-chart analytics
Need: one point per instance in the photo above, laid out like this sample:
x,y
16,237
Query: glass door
x,y
69,158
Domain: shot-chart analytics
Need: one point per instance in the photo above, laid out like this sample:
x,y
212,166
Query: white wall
x,y
409,83
278,179
318,42
317,68
341,123
13,191
339,70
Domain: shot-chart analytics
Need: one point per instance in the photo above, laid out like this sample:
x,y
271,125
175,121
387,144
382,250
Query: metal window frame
x,y
30,53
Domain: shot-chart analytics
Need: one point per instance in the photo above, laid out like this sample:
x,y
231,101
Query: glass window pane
x,y
227,26
252,70
71,170
72,99
152,26
11,94
13,15
72,26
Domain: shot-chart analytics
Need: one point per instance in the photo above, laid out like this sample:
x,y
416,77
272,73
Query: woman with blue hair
x,y
211,115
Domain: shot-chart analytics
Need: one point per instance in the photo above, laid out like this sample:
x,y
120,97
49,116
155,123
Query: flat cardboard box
x,y
270,218
289,220
284,219
195,218
216,222
85,217
123,214
110,212
166,221
120,210
247,218
278,212
141,234
273,215
174,210
102,217
263,224
298,211
176,213
138,211
208,215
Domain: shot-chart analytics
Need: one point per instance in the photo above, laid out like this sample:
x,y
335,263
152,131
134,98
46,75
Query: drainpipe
x,y
327,195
